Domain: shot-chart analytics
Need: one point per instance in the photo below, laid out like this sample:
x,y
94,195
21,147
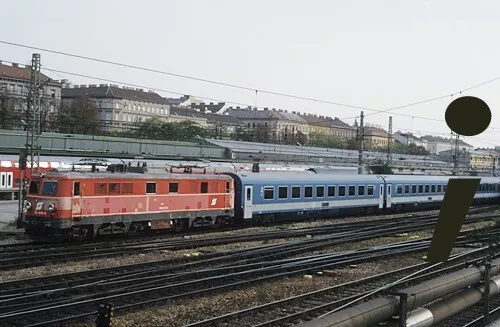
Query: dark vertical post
x,y
104,314
361,137
487,267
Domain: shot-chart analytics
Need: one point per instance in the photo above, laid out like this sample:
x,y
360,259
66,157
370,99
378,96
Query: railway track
x,y
75,295
12,257
56,306
305,307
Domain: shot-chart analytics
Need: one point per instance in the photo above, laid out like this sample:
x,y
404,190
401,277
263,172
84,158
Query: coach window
x,y
34,187
282,192
308,192
399,189
204,187
361,190
371,188
352,190
444,188
295,192
331,191
341,190
427,189
249,194
76,188
173,187
420,189
414,188
407,189
439,188
320,191
433,188
268,193
114,188
150,188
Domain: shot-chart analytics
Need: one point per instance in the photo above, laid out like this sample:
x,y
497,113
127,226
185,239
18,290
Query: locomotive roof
x,y
130,175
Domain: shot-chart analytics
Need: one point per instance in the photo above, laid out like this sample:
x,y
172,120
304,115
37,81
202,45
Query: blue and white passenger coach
x,y
266,197
280,196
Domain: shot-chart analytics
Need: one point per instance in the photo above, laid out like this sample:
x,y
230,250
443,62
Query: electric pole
x,y
33,115
31,152
389,143
361,136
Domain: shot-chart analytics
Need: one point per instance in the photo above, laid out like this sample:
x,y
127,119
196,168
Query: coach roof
x,y
288,178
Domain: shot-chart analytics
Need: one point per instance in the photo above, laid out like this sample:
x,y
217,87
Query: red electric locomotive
x,y
79,205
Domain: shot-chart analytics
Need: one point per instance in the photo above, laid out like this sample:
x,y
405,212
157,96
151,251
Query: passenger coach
x,y
267,198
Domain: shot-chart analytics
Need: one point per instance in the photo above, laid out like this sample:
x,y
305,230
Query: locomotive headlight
x,y
51,207
27,205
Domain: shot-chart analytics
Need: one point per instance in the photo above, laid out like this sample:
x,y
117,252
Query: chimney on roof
x,y
266,109
280,110
294,112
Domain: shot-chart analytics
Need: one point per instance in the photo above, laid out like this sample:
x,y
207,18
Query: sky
x,y
372,54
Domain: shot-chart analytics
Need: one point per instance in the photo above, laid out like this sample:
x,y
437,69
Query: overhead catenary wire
x,y
231,85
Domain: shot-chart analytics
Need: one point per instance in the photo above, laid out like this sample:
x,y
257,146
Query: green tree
x,y
10,117
79,117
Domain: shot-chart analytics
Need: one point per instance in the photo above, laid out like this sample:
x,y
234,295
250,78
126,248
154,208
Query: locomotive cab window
x,y
173,187
34,187
295,192
371,189
204,187
268,193
150,188
352,190
320,191
49,188
331,191
76,188
282,192
361,190
341,190
308,192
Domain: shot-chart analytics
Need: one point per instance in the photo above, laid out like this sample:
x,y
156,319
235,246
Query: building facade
x,y
376,137
120,108
14,91
408,138
436,144
272,125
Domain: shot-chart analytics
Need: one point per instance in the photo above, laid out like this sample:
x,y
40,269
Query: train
x,y
81,205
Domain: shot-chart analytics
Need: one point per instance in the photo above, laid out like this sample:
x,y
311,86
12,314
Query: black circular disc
x,y
468,116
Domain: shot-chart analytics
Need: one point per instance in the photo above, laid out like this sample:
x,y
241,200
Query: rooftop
x,y
107,91
254,113
17,71
430,138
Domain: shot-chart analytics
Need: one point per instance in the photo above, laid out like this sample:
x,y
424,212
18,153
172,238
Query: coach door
x,y
389,193
248,208
10,180
381,196
3,180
